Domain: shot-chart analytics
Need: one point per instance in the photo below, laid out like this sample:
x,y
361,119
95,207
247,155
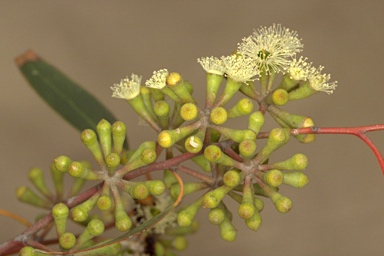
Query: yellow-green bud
x,y
254,222
78,170
94,228
306,138
104,203
277,138
173,79
161,108
216,215
189,187
36,176
232,178
214,154
122,220
139,191
243,107
189,111
60,214
159,249
26,195
148,156
167,138
247,148
155,187
62,163
179,243
178,86
219,115
30,251
227,230
80,212
246,210
214,197
67,241
295,179
297,162
118,136
193,144
112,160
104,131
283,204
279,97
58,178
259,204
89,139
256,121
186,216
273,178
247,207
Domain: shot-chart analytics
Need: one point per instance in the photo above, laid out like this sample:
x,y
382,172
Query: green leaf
x,y
66,97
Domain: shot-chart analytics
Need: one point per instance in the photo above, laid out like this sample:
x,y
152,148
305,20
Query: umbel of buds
x,y
229,162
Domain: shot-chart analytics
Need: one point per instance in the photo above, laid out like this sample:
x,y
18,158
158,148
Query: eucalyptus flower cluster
x,y
234,163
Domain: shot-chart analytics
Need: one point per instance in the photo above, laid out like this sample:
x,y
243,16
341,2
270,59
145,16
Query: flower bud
x,y
231,87
67,241
36,176
254,222
277,138
213,85
189,111
179,243
256,121
189,187
58,178
201,161
297,162
247,148
62,163
155,187
214,197
104,132
112,249
232,178
279,97
247,207
81,211
227,230
30,251
287,83
214,154
78,170
243,107
219,115
139,191
193,144
104,203
306,138
26,195
60,214
216,215
295,179
112,161
161,110
118,136
273,178
176,84
167,138
122,220
89,139
94,228
186,216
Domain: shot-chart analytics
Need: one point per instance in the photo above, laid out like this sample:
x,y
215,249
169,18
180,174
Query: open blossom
x,y
319,82
212,65
272,48
158,79
127,88
300,69
240,68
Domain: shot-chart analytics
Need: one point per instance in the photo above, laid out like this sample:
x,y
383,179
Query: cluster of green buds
x,y
229,161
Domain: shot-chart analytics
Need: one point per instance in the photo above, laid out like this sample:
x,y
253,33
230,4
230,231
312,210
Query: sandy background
x,y
97,43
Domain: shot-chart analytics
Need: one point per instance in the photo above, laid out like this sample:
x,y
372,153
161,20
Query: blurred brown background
x,y
340,212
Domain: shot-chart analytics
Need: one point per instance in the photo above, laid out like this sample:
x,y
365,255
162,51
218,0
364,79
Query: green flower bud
x,y
104,203
304,91
67,241
112,249
94,228
277,138
279,97
77,185
254,222
219,115
145,93
159,249
306,138
179,243
236,135
60,214
168,178
26,195
247,148
283,204
189,187
62,163
186,216
148,156
30,251
167,138
201,161
118,136
155,187
214,154
104,132
57,178
273,178
259,204
213,85
227,230
246,210
112,160
297,162
295,179
287,83
89,139
189,111
230,90
176,84
162,109
232,178
243,107
145,145
139,191
81,211
78,170
139,107
122,220
36,176
193,144
256,121
216,215
214,197
247,207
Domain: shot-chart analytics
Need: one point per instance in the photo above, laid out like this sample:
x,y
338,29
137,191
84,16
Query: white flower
x,y
240,68
212,65
272,48
127,88
300,69
158,79
319,82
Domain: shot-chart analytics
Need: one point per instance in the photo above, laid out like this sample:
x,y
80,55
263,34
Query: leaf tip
x,y
27,56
